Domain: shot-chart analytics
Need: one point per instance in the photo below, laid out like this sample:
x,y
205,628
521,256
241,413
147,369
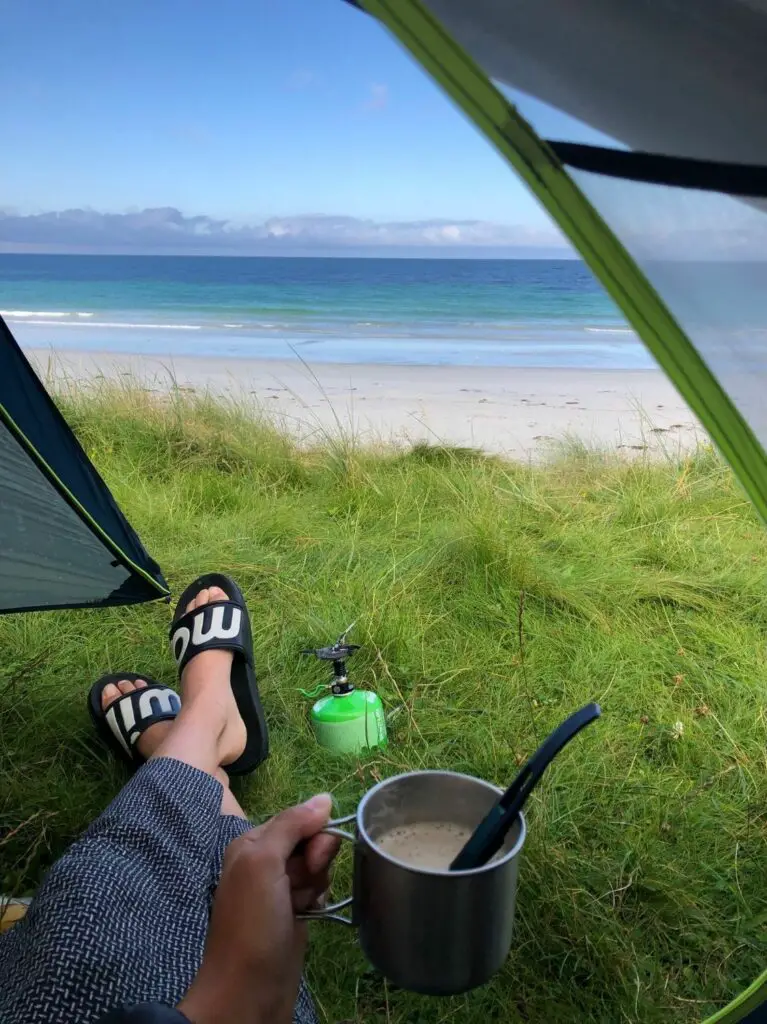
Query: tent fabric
x,y
703,252
702,248
65,541
687,79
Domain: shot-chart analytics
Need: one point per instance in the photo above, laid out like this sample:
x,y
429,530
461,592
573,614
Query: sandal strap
x,y
133,713
220,625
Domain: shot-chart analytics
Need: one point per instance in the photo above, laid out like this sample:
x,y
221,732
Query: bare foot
x,y
205,685
149,740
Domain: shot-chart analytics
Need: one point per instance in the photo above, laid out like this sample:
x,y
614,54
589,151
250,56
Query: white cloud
x,y
302,78
166,229
377,98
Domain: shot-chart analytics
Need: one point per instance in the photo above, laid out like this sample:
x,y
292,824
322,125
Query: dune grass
x,y
492,599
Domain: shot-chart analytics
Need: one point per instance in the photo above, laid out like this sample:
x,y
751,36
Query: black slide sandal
x,y
225,625
130,715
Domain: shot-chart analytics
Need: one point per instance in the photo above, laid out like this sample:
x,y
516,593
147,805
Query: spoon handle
x,y
488,836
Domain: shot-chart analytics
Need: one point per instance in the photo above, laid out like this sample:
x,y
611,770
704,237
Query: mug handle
x,y
331,913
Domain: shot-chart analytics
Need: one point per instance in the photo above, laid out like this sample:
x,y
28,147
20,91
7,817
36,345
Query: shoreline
x,y
520,412
567,344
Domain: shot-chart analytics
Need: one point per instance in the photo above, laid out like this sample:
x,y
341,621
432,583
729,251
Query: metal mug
x,y
437,932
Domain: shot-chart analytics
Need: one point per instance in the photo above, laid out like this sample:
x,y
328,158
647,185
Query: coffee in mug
x,y
432,845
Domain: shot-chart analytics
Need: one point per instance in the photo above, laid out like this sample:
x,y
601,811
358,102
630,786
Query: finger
x,y
317,883
298,873
287,829
307,898
316,855
303,899
321,851
300,877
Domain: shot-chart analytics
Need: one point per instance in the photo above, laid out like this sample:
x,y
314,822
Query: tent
x,y
66,544
672,220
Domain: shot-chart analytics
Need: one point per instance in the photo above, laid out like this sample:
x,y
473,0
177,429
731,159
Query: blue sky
x,y
241,112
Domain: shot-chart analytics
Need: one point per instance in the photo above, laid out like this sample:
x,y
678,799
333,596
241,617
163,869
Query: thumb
x,y
287,829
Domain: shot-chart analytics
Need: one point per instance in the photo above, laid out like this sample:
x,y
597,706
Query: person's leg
x,y
122,916
230,808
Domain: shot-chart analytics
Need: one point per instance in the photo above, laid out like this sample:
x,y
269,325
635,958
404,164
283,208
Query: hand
x,y
255,948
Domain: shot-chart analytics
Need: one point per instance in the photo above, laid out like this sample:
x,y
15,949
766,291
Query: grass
x,y
492,599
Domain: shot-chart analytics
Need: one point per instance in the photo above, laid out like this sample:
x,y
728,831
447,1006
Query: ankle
x,y
208,668
204,709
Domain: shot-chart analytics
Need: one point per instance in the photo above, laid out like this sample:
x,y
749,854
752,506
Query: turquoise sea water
x,y
441,311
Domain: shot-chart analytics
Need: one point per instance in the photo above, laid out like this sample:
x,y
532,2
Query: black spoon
x,y
487,838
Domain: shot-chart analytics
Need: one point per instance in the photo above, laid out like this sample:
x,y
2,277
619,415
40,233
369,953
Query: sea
x,y
461,312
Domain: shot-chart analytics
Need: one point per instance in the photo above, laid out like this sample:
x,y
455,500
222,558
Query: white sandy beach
x,y
519,412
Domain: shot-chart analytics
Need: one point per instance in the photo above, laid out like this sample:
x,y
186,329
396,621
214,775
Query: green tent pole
x,y
742,1005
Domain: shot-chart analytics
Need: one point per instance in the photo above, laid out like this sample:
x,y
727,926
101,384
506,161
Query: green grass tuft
x,y
492,599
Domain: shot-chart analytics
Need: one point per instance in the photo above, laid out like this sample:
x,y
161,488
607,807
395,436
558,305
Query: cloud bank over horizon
x,y
168,230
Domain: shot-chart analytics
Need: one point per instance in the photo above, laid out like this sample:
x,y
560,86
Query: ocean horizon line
x,y
466,253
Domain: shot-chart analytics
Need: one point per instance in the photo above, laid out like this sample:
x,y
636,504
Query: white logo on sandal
x,y
111,720
199,635
126,732
167,700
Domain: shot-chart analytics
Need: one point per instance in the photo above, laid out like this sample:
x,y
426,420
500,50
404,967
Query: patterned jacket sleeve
x,y
145,1013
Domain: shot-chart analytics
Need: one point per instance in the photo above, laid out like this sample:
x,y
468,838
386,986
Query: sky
x,y
239,124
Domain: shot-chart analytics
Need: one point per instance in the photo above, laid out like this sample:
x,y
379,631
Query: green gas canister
x,y
346,720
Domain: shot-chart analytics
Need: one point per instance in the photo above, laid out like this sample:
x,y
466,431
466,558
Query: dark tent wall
x,y
65,543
